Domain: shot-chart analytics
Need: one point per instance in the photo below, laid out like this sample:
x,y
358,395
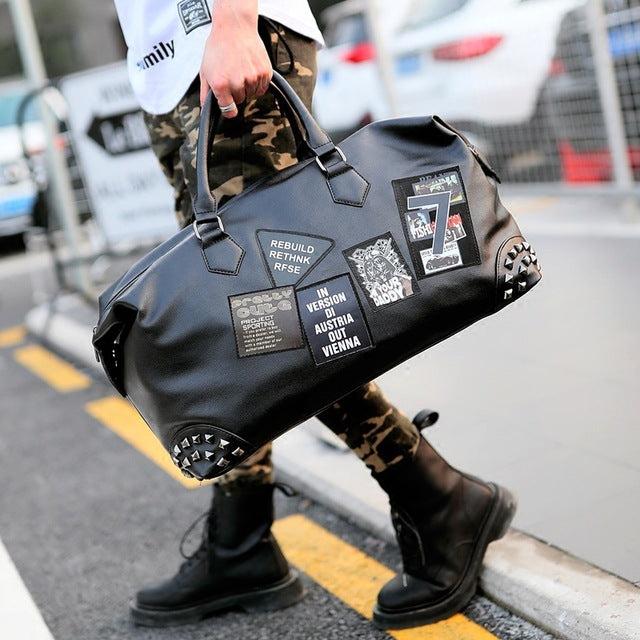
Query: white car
x,y
18,190
349,92
484,61
479,64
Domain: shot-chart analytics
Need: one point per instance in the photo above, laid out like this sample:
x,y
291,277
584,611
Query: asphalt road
x,y
87,519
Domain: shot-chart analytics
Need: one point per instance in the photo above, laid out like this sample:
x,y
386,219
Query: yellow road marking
x,y
356,578
121,417
13,336
53,370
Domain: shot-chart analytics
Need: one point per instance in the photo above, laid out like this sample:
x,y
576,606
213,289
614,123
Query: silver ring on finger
x,y
228,108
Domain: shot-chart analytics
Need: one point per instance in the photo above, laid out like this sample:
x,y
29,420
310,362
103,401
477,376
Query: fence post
x,y
57,174
609,96
383,55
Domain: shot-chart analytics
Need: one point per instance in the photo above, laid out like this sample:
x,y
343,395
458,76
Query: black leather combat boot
x,y
238,565
444,521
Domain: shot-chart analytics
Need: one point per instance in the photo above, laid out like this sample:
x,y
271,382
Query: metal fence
x,y
588,120
584,127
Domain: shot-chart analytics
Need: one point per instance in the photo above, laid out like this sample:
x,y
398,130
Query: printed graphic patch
x,y
266,321
193,14
333,320
450,257
436,220
421,228
290,256
439,183
381,271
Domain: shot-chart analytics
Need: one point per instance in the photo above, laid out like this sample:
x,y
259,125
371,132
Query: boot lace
x,y
286,489
202,551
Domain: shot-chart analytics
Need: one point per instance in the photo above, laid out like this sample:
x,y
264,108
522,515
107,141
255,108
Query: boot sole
x,y
495,527
277,596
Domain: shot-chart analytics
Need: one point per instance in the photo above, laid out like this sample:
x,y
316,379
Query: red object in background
x,y
467,48
591,166
362,52
556,68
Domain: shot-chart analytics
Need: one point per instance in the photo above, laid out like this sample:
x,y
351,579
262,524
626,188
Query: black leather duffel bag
x,y
309,284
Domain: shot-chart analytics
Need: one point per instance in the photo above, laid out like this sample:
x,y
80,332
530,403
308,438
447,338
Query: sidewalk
x,y
541,398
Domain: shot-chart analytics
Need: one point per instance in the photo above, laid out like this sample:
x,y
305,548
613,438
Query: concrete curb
x,y
64,324
562,594
568,597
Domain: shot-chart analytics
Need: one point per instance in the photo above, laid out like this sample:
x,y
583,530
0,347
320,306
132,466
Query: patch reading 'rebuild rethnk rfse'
x,y
333,320
290,256
266,321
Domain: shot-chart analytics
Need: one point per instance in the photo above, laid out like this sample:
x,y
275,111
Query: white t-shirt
x,y
165,41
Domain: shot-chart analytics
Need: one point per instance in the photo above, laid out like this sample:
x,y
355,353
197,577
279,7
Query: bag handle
x,y
329,157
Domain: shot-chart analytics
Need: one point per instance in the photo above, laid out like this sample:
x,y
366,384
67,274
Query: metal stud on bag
x,y
519,261
198,449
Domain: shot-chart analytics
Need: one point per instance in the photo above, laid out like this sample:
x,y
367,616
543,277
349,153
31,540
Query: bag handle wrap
x,y
308,134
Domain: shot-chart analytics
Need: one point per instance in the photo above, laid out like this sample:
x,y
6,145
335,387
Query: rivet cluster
x,y
520,260
199,454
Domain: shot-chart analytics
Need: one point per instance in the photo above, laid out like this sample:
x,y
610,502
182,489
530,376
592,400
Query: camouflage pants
x,y
259,141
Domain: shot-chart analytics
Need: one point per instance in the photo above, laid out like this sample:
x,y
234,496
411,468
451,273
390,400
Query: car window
x,y
9,104
427,11
350,29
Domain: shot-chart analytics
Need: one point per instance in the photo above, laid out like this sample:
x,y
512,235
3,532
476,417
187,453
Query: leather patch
x,y
333,321
290,256
437,222
381,271
265,321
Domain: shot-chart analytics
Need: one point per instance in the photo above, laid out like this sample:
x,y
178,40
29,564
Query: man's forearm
x,y
233,14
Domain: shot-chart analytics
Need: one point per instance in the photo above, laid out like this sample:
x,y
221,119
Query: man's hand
x,y
235,64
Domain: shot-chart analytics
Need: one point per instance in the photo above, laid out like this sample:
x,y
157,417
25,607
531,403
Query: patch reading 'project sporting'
x,y
333,320
266,321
